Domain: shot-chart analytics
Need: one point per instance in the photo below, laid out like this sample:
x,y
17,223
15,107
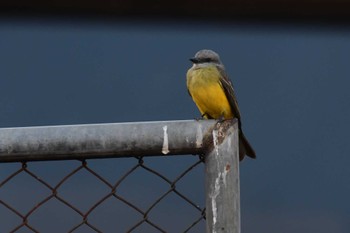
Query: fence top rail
x,y
103,140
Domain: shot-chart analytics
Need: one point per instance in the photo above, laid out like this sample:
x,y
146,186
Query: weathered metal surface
x,y
103,140
222,179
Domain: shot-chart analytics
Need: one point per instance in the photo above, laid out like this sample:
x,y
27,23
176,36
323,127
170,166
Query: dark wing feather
x,y
244,146
230,93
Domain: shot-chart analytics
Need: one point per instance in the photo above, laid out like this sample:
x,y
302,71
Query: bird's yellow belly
x,y
209,95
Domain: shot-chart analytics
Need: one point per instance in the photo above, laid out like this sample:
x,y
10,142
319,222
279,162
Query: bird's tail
x,y
244,147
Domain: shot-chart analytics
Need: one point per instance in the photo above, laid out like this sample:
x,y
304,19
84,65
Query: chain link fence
x,y
120,177
138,194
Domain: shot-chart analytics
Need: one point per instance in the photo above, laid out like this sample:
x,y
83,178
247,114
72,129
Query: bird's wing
x,y
230,93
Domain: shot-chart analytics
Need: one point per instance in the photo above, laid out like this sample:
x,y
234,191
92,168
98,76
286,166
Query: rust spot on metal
x,y
228,167
222,128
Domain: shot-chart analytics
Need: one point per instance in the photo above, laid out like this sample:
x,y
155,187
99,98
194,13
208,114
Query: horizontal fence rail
x,y
103,140
215,142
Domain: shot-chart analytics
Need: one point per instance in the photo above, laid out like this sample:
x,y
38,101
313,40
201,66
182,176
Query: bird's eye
x,y
207,59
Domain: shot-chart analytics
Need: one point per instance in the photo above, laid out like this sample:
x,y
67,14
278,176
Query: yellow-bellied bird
x,y
212,92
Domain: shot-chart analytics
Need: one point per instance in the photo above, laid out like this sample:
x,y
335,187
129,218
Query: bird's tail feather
x,y
244,147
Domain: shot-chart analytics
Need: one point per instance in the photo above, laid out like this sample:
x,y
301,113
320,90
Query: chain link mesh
x,y
103,195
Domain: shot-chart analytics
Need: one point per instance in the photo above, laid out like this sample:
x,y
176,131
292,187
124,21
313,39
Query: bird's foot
x,y
203,117
221,118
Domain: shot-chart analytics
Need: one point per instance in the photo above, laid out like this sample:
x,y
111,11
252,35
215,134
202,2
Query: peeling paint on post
x,y
165,149
222,179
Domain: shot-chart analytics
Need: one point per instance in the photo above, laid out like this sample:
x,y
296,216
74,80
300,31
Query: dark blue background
x,y
291,82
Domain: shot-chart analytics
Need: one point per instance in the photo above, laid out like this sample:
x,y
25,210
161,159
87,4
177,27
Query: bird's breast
x,y
205,88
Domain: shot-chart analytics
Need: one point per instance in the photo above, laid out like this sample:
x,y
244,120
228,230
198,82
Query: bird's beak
x,y
194,60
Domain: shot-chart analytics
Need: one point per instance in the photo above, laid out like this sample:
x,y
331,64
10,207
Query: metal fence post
x,y
222,179
218,141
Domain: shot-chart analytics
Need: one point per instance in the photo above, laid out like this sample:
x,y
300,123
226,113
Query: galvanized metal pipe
x,y
103,140
222,180
218,141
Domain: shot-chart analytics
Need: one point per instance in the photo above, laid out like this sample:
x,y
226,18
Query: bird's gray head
x,y
206,56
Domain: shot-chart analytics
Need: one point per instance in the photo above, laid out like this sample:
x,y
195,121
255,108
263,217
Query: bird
x,y
213,93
